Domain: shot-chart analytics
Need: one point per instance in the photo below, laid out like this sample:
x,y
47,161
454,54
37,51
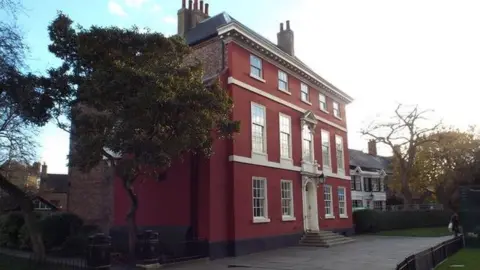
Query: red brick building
x,y
285,173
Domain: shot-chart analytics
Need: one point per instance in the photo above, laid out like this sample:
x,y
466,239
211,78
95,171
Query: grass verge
x,y
465,259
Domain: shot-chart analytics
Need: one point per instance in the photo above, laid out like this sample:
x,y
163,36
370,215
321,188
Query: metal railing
x,y
430,258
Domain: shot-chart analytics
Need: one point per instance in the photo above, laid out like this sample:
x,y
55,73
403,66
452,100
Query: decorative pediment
x,y
315,179
382,173
358,170
309,119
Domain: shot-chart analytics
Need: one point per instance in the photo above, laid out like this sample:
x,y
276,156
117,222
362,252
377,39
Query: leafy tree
x,y
136,102
404,134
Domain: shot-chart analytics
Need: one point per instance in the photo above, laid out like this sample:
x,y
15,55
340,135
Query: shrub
x,y
76,245
10,225
373,221
56,228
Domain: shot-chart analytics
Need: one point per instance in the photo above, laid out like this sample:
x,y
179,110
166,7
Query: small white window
x,y
304,95
282,81
340,154
255,66
259,189
336,109
307,144
322,101
287,199
285,137
357,203
258,128
326,149
341,202
378,205
327,195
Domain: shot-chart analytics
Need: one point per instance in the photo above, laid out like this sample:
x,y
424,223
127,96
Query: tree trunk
x,y
406,193
26,205
131,219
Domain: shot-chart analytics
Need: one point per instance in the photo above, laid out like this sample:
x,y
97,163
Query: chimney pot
x,y
206,8
288,25
285,39
201,6
184,3
196,5
281,27
190,4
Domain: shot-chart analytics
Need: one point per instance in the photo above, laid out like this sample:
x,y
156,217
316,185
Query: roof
x,y
8,204
209,28
56,182
369,162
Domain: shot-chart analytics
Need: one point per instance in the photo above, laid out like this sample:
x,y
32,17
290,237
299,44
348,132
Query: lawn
x,y
465,259
418,232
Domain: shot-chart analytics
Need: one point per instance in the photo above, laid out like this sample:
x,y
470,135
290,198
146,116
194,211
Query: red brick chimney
x,y
285,39
372,147
189,17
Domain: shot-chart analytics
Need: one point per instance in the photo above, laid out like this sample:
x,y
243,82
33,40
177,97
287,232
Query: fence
x,y
430,258
29,263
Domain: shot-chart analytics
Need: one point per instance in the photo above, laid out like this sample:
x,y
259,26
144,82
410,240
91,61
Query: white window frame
x,y
284,80
325,138
322,100
255,151
286,117
303,87
252,66
336,109
332,214
291,200
264,218
339,141
312,147
342,203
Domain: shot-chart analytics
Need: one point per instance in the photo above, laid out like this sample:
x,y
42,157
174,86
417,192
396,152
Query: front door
x,y
310,210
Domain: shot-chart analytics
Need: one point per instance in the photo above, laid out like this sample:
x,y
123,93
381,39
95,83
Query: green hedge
x,y
367,221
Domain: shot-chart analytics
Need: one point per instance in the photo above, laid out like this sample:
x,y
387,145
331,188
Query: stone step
x,y
324,239
327,243
329,236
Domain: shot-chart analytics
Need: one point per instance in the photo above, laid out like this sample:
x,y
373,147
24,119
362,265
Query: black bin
x,y
98,255
148,248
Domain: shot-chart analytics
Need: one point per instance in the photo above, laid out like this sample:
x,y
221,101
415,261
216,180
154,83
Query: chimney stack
x,y
44,169
189,18
372,147
285,39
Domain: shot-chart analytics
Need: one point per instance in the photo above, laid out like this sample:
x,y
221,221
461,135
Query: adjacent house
x,y
54,188
369,172
286,173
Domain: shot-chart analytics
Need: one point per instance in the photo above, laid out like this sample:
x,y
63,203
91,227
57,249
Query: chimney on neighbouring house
x,y
372,147
189,17
285,40
44,169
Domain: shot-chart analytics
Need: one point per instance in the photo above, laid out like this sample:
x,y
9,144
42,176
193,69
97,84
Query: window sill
x,y
261,220
288,218
330,217
257,78
338,117
343,216
325,111
285,91
341,172
306,102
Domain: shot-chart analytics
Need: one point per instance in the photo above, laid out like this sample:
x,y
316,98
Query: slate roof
x,y
56,182
369,162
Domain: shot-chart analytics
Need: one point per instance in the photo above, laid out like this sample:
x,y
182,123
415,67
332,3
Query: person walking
x,y
455,224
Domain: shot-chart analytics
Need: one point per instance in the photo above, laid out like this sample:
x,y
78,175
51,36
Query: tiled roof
x,y
56,182
369,162
207,28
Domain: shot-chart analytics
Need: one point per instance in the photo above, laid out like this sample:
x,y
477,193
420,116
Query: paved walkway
x,y
367,252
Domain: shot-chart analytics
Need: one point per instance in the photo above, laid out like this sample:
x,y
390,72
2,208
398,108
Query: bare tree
x,y
403,134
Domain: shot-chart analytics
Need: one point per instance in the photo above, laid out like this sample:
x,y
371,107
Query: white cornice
x,y
255,90
280,54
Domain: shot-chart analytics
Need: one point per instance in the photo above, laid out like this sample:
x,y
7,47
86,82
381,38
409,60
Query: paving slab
x,y
367,252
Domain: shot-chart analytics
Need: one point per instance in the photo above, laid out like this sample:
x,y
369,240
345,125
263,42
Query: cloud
x,y
156,8
116,9
169,19
135,3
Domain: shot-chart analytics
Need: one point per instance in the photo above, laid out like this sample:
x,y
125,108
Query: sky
x,y
380,52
